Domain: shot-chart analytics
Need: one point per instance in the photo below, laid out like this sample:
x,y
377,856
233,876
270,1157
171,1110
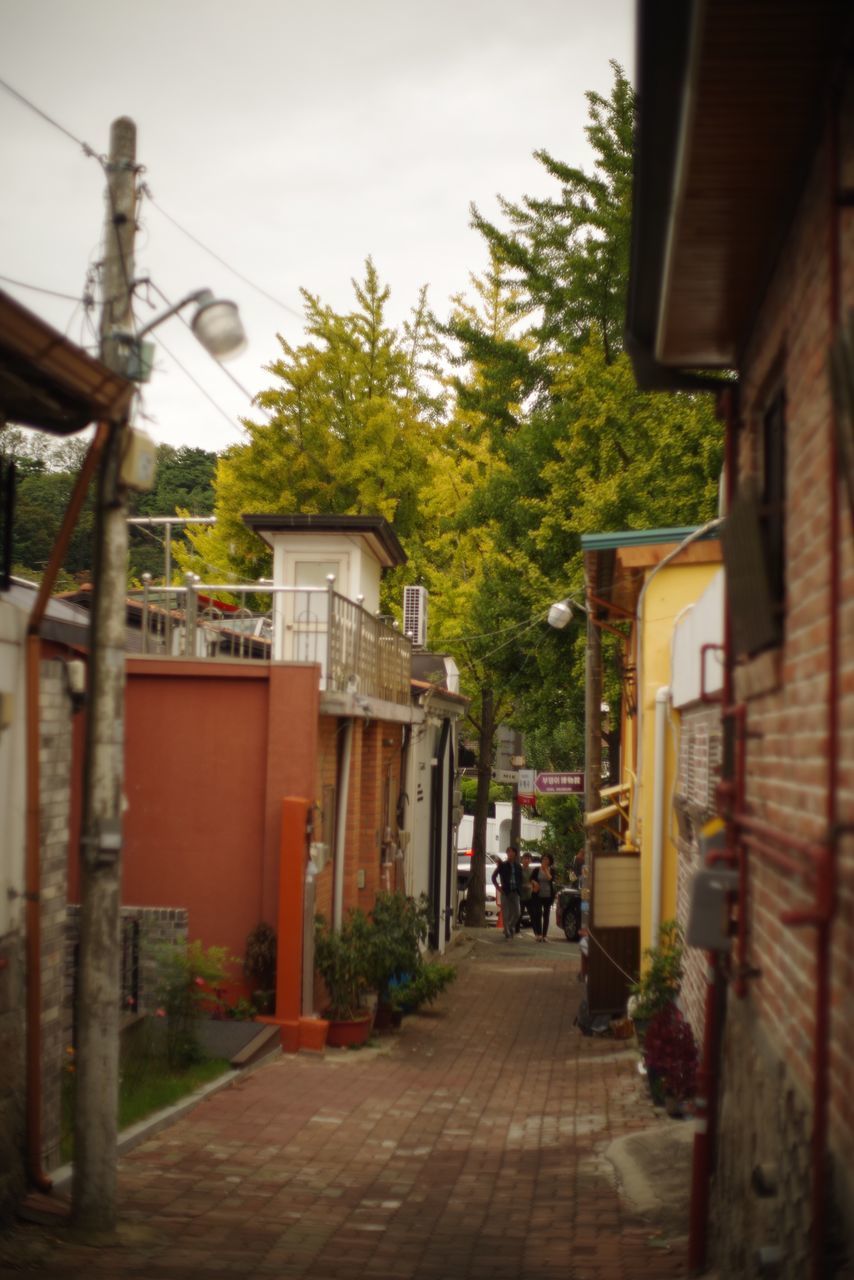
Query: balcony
x,y
359,655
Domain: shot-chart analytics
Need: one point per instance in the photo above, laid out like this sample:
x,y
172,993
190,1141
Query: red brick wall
x,y
788,749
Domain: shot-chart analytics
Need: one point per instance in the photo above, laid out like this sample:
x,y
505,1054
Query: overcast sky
x,y
294,138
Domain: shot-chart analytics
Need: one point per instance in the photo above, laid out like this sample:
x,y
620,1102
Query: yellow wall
x,y
669,592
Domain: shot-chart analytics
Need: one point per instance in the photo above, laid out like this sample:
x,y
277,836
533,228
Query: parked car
x,y
463,873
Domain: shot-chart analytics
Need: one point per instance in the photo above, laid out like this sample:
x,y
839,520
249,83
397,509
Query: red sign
x,y
560,784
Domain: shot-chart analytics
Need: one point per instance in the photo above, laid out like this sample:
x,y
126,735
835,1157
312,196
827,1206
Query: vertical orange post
x,y
289,952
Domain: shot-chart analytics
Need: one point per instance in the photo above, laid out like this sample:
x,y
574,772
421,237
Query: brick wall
x,y
698,773
55,749
789,755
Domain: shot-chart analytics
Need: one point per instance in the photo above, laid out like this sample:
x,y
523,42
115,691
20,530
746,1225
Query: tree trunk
x,y
476,892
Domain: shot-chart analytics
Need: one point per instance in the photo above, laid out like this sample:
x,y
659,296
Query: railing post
x,y
146,583
190,612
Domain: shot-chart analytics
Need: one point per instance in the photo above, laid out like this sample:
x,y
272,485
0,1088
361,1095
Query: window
x,y
773,500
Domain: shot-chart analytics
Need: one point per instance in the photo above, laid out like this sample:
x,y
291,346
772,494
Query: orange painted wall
x,y
211,750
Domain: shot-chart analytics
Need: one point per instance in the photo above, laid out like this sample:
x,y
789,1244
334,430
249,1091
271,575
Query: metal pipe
x,y
344,759
659,767
33,839
821,1053
705,1132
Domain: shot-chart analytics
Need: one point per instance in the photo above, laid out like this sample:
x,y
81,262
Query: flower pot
x,y
346,1033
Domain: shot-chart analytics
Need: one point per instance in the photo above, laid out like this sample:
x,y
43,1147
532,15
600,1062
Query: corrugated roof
x,y
640,537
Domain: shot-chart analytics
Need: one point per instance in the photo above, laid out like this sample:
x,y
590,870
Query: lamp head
x,y
560,615
218,326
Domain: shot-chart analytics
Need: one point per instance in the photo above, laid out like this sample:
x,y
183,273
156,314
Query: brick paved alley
x,y
470,1144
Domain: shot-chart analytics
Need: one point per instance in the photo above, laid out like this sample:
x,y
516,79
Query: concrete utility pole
x,y
98,990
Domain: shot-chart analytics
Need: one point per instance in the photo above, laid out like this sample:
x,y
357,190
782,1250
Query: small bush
x,y
424,986
188,976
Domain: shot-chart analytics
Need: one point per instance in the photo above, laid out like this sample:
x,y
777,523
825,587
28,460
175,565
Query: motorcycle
x,y
568,912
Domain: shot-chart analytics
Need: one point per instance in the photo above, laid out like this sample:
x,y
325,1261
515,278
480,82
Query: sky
x,y
292,139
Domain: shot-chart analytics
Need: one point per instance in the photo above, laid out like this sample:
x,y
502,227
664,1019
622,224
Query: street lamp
x,y
216,324
560,614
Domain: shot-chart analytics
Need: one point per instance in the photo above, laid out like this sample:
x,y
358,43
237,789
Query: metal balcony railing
x,y
357,652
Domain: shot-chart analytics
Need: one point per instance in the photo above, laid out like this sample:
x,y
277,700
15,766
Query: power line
x,y
53,293
197,384
87,150
252,400
228,266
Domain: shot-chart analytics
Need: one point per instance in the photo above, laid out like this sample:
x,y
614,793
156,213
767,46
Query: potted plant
x,y
259,965
341,959
422,987
399,926
670,1054
659,984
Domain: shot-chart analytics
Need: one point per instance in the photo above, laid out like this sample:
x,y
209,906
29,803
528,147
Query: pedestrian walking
x,y
542,897
525,891
507,878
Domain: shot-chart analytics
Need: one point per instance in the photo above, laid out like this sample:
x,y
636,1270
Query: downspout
x,y
345,756
826,888
437,779
33,838
706,1100
662,704
402,807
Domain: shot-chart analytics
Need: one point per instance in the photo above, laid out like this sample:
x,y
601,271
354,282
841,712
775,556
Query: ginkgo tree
x,y
349,419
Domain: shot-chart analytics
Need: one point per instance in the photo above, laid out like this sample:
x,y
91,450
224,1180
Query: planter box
x,y
347,1034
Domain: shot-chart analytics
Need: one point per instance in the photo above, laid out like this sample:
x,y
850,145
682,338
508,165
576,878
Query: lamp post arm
x,y
200,295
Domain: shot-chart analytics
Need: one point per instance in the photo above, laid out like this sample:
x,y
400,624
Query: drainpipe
x,y
706,1101
344,758
662,704
828,870
437,778
33,843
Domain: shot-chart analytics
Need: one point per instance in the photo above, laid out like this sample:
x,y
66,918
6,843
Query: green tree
x,y
352,409
184,485
571,445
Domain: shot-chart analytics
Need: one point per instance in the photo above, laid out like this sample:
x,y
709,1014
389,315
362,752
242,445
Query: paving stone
x,y
474,1146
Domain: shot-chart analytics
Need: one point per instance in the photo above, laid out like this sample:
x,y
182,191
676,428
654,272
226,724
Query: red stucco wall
x,y
211,750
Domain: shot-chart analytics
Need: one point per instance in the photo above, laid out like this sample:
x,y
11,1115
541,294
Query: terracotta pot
x,y
344,1033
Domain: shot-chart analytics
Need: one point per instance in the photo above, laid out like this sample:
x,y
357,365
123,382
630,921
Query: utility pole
x,y
98,988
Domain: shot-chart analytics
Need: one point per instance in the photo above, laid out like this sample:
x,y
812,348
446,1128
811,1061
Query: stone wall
x,y
757,1084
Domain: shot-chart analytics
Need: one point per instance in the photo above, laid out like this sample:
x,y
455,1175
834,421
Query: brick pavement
x,y
471,1145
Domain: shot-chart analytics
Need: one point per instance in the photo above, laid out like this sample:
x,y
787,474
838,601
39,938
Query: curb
x,y
138,1133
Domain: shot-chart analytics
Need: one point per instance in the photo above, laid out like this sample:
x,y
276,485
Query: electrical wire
x,y
252,399
228,266
36,288
223,413
87,150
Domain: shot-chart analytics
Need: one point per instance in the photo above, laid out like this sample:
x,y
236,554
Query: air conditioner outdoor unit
x,y
415,615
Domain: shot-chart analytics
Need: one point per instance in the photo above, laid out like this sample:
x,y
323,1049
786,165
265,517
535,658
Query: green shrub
x,y
342,959
660,981
424,986
188,976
